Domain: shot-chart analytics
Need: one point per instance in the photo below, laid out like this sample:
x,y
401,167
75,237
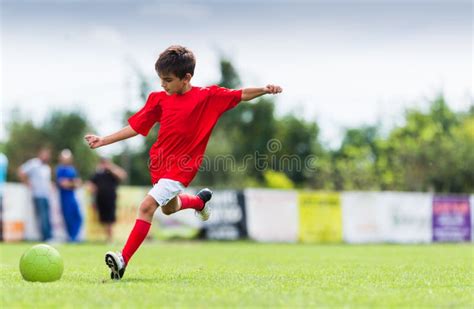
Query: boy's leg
x,y
141,227
118,261
162,192
188,201
197,202
172,206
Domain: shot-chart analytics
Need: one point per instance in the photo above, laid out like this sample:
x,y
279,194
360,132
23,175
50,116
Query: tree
x,y
67,130
432,150
355,162
61,130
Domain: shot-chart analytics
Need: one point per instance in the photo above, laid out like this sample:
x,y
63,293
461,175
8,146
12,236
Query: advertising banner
x,y
363,217
451,219
272,215
227,221
320,217
409,219
471,204
18,214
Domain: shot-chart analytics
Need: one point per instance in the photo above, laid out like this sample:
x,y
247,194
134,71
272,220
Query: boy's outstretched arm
x,y
252,93
95,141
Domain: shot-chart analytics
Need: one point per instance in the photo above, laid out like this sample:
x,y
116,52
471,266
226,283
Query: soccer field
x,y
247,274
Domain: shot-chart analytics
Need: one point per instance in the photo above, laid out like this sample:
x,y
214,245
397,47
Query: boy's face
x,y
173,84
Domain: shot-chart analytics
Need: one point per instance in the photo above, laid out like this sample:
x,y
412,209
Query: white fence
x,y
276,216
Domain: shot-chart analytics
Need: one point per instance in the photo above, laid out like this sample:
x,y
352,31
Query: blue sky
x,y
341,63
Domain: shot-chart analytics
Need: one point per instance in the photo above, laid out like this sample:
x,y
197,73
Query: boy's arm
x,y
252,93
95,141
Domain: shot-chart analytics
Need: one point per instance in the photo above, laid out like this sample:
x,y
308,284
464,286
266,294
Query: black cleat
x,y
205,195
116,264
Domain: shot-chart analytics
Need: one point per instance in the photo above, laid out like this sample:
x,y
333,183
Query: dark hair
x,y
176,59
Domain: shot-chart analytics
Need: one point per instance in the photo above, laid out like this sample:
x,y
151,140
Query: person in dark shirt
x,y
105,182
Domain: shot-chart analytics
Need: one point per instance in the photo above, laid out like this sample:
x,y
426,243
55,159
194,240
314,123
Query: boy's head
x,y
175,67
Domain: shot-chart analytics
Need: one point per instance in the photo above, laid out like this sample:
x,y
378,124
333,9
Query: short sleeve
x,y
223,98
29,165
142,121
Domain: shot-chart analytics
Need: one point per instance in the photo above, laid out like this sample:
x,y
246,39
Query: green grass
x,y
251,275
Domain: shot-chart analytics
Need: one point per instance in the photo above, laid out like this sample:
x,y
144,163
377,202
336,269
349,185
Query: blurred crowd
x,y
36,173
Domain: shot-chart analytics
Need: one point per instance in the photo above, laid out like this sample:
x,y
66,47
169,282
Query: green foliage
x,y
61,130
432,151
23,142
355,162
67,130
277,180
298,140
229,76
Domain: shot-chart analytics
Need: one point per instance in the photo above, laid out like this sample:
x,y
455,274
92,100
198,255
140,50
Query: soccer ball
x,y
41,263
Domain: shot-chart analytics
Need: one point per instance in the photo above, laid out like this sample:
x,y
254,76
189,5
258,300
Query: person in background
x,y
67,181
104,183
3,178
36,174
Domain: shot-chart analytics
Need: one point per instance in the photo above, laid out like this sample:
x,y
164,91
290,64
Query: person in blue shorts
x,y
67,181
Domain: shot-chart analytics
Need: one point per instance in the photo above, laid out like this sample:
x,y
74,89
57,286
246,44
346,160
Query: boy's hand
x,y
94,141
272,89
252,93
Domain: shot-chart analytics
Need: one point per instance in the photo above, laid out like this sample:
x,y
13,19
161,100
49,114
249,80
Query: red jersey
x,y
186,122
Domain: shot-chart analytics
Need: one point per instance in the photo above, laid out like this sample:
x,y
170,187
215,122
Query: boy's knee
x,y
171,207
147,208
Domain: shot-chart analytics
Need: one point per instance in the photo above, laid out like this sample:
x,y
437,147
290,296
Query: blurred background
x,y
377,100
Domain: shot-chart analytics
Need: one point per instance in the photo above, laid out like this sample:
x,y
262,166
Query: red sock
x,y
135,239
191,201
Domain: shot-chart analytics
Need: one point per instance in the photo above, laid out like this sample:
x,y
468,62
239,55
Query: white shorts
x,y
165,190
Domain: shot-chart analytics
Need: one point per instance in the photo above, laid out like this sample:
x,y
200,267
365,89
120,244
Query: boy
x,y
187,115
